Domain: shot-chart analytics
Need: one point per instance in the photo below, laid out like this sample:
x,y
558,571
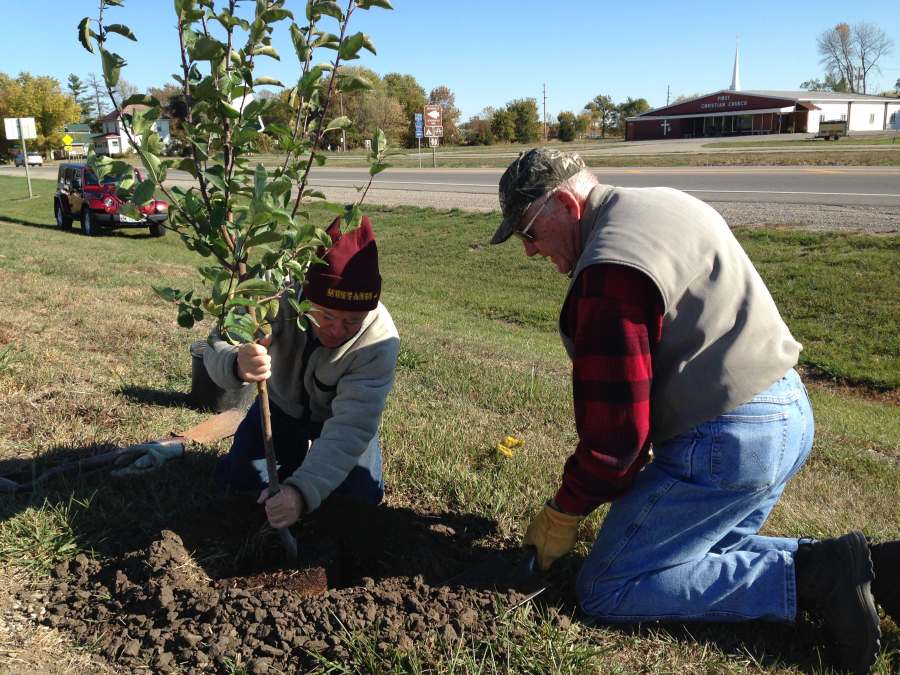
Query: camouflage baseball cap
x,y
531,176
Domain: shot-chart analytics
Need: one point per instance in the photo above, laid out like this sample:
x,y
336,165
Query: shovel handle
x,y
287,539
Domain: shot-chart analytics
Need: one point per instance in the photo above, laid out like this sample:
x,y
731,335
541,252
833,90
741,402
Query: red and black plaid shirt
x,y
614,315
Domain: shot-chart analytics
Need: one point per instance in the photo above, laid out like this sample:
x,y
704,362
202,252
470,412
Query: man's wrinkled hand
x,y
552,534
285,508
253,361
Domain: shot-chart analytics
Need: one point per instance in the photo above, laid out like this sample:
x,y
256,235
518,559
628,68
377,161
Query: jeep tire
x,y
63,219
157,229
88,226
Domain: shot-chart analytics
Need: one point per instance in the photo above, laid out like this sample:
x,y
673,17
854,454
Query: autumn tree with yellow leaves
x,y
42,98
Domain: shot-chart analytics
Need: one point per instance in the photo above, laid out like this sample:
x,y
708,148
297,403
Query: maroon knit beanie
x,y
349,279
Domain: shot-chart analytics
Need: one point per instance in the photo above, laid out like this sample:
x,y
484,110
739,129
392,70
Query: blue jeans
x,y
682,544
291,438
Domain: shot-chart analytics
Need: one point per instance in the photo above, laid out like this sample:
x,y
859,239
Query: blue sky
x,y
491,51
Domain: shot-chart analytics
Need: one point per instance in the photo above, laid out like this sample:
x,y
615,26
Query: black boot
x,y
833,581
886,586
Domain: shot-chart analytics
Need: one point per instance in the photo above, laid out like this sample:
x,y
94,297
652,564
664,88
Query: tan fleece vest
x,y
723,339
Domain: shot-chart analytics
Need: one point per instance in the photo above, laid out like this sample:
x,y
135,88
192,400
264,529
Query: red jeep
x,y
80,196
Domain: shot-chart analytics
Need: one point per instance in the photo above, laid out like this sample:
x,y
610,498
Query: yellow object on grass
x,y
505,447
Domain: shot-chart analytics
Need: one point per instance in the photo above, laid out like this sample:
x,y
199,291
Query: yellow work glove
x,y
553,534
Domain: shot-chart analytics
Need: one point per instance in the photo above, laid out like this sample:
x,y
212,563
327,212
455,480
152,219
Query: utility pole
x,y
667,94
24,155
545,112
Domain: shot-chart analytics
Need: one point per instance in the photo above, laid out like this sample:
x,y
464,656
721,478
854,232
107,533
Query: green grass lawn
x,y
90,356
886,139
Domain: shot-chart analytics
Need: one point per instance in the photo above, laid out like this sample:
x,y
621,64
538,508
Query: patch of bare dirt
x,y
203,599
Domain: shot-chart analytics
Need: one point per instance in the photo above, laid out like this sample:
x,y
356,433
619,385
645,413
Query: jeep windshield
x,y
91,179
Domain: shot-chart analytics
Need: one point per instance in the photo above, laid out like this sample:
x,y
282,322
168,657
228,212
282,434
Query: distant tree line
x,y
390,104
519,121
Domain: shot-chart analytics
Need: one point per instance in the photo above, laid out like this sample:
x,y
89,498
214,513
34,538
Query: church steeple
x,y
736,75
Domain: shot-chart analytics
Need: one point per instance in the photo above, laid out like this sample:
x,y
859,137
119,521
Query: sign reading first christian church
x,y
722,102
725,102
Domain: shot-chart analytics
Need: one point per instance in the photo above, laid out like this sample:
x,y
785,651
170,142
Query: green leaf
x,y
182,6
141,99
377,167
152,143
367,4
348,83
259,287
120,168
216,179
272,310
213,273
144,192
242,302
300,44
342,122
167,293
206,49
187,164
298,272
154,167
351,219
350,47
266,80
84,34
267,51
327,40
309,81
329,8
112,66
269,237
185,319
367,44
121,29
130,210
260,177
272,15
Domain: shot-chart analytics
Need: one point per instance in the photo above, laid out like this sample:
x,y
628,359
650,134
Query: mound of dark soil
x,y
205,598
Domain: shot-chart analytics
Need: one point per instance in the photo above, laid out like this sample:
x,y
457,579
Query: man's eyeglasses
x,y
524,234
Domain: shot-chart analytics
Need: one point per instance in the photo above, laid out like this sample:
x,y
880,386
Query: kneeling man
x,y
327,386
676,342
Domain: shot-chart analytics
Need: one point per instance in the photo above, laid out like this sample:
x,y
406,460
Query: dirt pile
x,y
387,573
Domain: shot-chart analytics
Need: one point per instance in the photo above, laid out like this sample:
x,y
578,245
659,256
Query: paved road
x,y
835,186
864,186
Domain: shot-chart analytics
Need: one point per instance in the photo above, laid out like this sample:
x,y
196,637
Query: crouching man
x,y
327,386
675,341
